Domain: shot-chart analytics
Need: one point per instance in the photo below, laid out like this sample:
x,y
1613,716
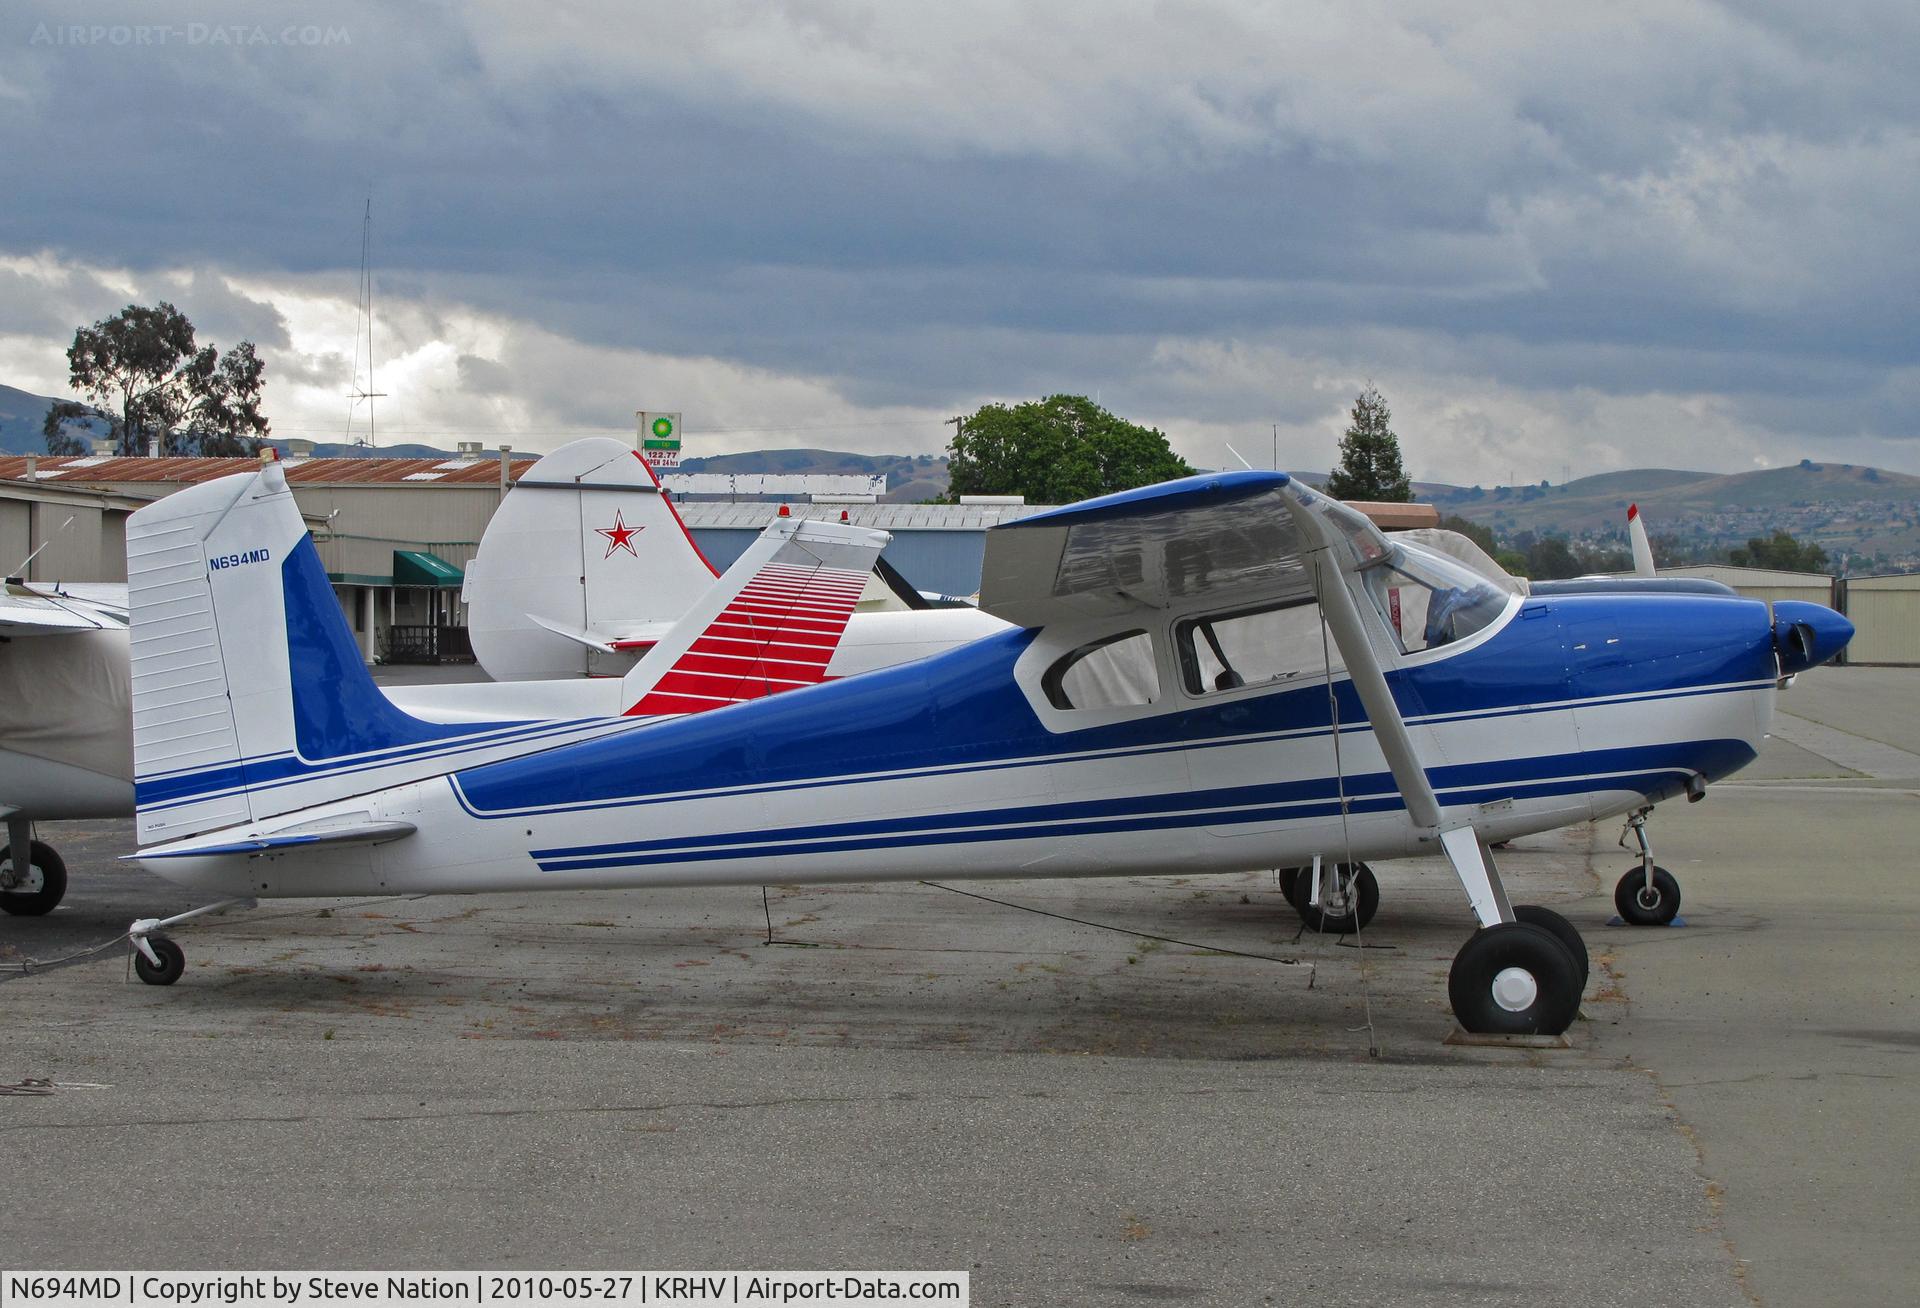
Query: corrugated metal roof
x,y
94,470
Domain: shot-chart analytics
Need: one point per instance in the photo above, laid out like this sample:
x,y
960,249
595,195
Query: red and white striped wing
x,y
778,633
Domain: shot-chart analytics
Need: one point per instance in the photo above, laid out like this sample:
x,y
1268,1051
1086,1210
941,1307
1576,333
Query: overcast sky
x,y
1675,234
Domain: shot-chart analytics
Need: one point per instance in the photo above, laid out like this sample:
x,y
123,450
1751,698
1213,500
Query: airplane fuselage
x,y
1568,708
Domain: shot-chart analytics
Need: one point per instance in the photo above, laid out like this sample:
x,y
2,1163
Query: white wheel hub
x,y
1515,990
31,884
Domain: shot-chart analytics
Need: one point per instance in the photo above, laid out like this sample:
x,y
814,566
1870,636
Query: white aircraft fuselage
x,y
1562,710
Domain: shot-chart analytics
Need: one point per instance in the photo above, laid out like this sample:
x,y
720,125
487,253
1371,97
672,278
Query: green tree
x,y
1370,455
1055,451
1513,561
156,387
68,426
1550,559
1780,550
1473,531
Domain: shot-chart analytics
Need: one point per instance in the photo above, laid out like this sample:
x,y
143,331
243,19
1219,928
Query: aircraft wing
x,y
770,623
32,611
1232,534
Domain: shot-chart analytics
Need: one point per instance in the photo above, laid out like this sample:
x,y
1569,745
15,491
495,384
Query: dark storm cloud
x,y
1662,199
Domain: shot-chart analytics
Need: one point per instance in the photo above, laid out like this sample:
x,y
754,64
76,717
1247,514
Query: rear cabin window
x,y
1254,647
1113,672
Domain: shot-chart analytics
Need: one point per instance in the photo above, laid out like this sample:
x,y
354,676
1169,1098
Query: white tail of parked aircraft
x,y
586,565
1637,535
583,566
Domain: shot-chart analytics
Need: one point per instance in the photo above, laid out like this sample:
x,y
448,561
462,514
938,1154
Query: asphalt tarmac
x,y
912,1077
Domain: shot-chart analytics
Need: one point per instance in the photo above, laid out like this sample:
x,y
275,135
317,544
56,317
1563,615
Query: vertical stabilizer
x,y
1637,535
249,696
586,551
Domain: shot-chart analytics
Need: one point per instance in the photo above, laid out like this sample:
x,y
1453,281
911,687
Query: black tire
x,y
51,890
173,961
1362,899
1291,885
1491,957
1638,906
1560,929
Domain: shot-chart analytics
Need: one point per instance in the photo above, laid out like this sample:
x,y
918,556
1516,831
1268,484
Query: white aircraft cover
x,y
69,700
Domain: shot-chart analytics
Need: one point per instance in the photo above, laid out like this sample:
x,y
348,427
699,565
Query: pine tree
x,y
1370,456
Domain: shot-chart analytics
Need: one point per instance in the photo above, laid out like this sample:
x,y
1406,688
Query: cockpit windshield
x,y
1429,600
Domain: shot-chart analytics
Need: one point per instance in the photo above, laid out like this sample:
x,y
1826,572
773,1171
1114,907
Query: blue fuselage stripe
x,y
1238,807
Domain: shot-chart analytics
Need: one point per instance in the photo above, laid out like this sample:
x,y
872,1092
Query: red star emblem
x,y
619,536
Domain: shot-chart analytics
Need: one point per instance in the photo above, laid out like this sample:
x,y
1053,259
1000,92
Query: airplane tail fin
x,y
249,695
584,551
1637,535
770,624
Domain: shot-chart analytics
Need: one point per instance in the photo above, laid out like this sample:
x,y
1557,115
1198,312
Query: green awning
x,y
419,568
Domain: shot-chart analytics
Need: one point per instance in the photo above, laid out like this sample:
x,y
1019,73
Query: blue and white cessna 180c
x,y
1224,673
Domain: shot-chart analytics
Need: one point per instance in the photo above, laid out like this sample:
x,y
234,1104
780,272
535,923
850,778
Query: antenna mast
x,y
364,326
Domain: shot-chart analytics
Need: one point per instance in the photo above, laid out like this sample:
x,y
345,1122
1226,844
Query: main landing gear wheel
x,y
1514,978
1641,904
1560,929
43,886
173,961
1349,896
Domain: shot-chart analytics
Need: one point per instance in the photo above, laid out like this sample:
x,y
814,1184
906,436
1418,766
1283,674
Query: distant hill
x,y
341,450
1847,508
21,414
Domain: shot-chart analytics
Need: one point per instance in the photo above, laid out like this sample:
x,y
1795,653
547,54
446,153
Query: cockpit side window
x,y
1429,600
1113,672
1252,647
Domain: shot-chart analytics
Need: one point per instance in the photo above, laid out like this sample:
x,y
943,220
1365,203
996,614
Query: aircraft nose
x,y
1807,635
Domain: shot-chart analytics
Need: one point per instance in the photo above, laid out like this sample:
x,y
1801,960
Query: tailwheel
x,y
1560,929
1644,901
1349,897
1514,978
36,891
172,961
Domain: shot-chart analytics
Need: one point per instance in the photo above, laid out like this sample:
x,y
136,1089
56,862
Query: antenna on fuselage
x,y
21,571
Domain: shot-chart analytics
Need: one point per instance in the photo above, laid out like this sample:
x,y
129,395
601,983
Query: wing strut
x,y
1472,861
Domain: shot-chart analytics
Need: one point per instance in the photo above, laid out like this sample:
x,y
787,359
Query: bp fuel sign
x,y
660,438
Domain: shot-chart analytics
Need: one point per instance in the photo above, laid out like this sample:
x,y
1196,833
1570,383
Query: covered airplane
x,y
1224,673
66,747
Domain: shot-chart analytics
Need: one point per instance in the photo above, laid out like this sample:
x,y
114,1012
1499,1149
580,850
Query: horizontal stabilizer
x,y
643,637
354,833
